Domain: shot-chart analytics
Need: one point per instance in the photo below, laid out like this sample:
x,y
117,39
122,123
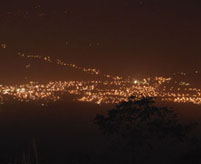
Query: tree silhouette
x,y
137,125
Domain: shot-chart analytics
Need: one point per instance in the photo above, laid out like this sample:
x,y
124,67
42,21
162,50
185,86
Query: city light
x,y
111,90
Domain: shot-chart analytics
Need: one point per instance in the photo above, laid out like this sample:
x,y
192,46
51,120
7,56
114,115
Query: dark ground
x,y
64,132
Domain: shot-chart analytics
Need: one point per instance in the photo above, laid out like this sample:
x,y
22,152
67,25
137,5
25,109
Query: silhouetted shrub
x,y
137,125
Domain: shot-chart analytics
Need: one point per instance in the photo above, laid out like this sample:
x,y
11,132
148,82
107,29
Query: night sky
x,y
129,37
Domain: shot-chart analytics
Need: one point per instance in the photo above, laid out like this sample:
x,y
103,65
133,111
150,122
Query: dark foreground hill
x,y
65,133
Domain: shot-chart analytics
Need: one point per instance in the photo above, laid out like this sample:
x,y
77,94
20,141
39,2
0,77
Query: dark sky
x,y
120,36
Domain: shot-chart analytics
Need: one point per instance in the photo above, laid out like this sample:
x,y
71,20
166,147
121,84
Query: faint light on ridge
x,y
3,45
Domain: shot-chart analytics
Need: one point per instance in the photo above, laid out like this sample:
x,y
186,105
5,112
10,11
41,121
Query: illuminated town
x,y
100,82
111,90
